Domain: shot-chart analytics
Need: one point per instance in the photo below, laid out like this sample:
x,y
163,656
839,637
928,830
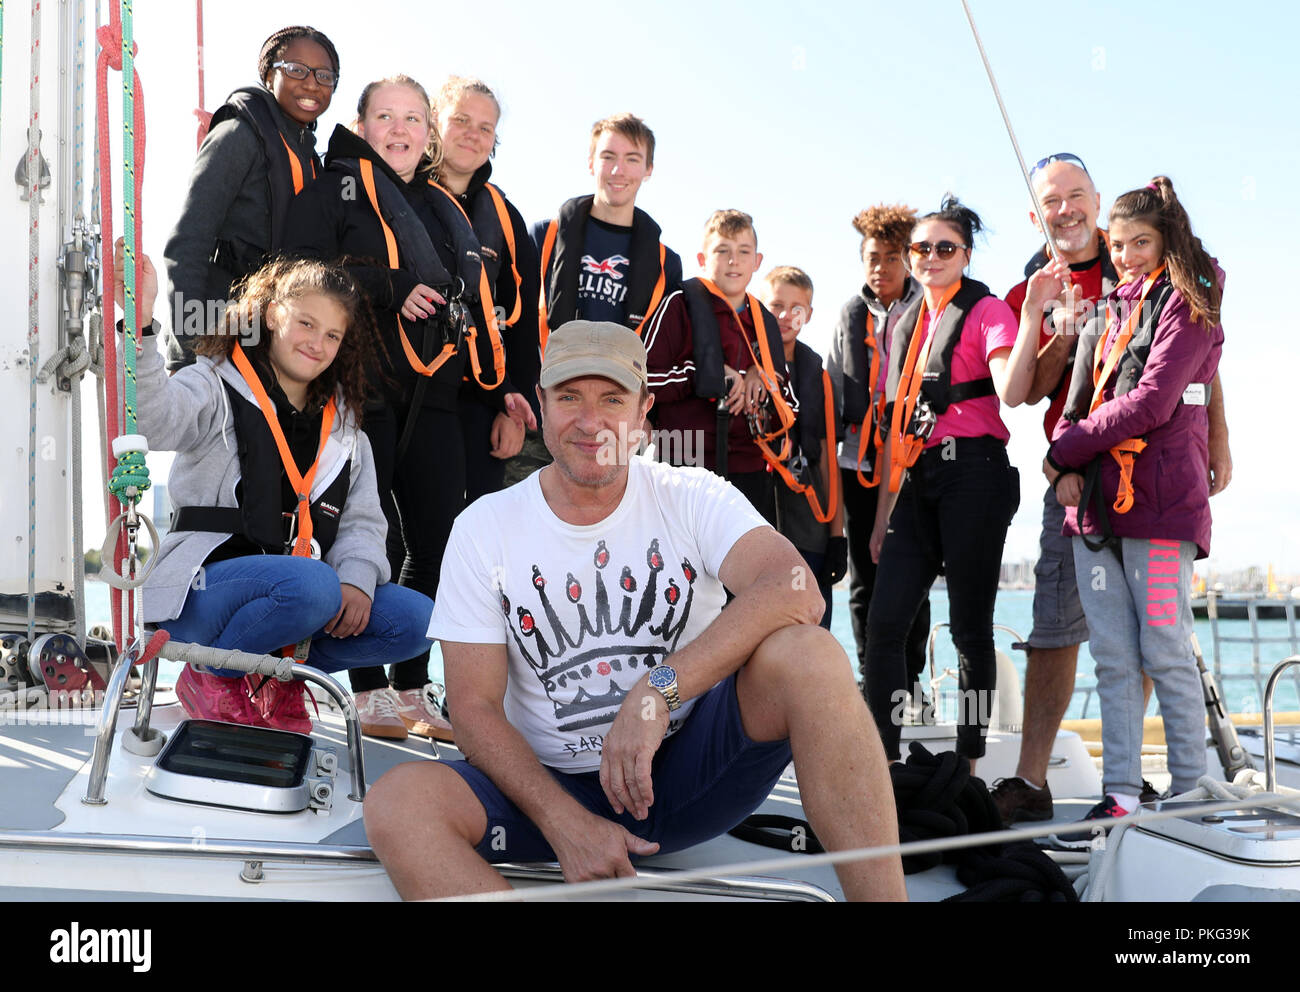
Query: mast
x,y
48,458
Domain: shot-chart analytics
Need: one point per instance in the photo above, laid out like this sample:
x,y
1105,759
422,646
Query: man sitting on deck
x,y
581,622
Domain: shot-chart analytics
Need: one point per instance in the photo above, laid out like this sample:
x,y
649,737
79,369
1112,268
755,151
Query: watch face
x,y
662,677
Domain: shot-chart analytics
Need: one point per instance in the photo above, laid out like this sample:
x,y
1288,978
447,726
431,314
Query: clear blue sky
x,y
819,109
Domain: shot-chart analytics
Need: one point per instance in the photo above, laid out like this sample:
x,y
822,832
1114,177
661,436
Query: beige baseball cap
x,y
589,347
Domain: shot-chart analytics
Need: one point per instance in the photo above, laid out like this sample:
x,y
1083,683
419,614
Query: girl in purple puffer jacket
x,y
1131,462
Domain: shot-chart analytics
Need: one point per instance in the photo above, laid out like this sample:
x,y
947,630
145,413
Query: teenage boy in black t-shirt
x,y
601,256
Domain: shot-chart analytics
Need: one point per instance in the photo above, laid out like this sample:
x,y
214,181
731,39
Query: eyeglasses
x,y
296,70
944,249
1043,163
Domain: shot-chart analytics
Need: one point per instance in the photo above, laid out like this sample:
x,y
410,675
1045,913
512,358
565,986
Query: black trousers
x,y
859,519
483,473
421,493
952,516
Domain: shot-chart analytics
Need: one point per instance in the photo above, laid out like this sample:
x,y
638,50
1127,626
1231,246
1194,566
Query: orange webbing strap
x,y
875,415
833,475
907,447
543,318
507,228
1125,452
489,315
301,484
295,167
394,262
1100,375
657,296
767,375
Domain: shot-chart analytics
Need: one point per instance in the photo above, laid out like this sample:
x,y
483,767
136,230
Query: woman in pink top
x,y
956,356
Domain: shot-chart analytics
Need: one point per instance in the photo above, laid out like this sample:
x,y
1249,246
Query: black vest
x,y
806,375
260,516
494,249
706,340
857,360
252,104
936,382
1131,364
560,281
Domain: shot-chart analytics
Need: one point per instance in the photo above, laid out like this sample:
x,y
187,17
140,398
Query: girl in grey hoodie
x,y
278,536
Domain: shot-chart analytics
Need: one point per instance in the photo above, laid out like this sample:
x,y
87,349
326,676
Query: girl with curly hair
x,y
277,538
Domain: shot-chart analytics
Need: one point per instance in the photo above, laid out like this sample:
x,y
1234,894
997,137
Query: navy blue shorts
x,y
707,778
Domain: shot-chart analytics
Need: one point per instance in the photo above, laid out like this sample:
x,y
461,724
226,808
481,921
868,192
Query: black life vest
x,y
1132,363
806,377
857,359
706,341
415,246
287,170
563,264
262,516
936,384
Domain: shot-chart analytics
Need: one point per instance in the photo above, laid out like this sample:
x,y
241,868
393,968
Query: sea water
x,y
1242,685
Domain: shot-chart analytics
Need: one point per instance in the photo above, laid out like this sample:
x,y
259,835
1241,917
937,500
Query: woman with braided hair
x,y
259,153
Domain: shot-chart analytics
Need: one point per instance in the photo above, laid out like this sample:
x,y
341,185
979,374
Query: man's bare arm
x,y
586,845
773,589
1052,359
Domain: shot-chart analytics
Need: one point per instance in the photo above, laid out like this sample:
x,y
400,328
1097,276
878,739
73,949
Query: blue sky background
x,y
819,109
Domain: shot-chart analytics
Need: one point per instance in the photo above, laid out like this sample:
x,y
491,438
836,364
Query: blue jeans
x,y
263,603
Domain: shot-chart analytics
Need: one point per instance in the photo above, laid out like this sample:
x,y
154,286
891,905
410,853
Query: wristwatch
x,y
664,680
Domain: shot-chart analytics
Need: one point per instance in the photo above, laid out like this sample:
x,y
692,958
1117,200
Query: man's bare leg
x,y
799,685
1049,685
423,821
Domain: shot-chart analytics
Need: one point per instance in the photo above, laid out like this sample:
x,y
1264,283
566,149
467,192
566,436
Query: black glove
x,y
836,564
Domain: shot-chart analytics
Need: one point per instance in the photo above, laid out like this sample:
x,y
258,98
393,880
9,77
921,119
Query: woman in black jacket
x,y
259,152
412,248
465,115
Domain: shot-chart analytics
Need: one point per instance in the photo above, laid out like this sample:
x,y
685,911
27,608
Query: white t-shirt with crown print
x,y
584,612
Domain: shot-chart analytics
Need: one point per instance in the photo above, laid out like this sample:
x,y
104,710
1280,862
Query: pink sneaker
x,y
281,705
204,696
422,716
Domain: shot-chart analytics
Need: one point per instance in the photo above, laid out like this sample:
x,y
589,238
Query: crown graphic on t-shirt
x,y
580,652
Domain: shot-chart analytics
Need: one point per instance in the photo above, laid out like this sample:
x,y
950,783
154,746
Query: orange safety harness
x,y
301,483
907,446
1125,452
785,415
296,167
503,215
544,318
874,419
485,296
302,544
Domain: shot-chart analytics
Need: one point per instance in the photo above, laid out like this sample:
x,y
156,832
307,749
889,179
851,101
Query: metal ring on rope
x,y
108,572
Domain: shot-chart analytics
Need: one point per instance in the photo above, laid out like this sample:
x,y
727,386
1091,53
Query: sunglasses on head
x,y
1043,163
944,249
296,70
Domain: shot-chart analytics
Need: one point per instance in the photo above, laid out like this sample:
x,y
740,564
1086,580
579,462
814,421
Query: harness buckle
x,y
292,538
923,420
